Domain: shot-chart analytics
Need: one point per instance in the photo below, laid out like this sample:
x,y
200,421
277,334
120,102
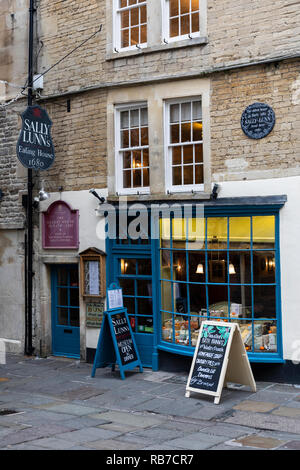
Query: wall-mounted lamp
x,y
43,195
94,193
231,269
199,269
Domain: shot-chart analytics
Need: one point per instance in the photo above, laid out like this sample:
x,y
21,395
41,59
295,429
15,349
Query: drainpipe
x,y
29,248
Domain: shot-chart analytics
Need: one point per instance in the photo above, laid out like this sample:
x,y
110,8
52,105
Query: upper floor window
x,y
182,18
184,152
132,145
130,24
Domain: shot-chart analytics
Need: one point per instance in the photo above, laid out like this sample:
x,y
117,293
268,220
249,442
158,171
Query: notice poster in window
x,y
94,277
115,298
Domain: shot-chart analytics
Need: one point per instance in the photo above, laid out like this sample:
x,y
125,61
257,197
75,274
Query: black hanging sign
x,y
35,149
258,120
219,356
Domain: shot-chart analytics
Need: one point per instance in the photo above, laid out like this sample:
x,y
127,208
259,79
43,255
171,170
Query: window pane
x,y
143,33
62,277
127,179
124,119
134,16
216,232
144,136
166,296
199,178
134,36
145,325
144,288
264,302
199,153
179,266
176,155
167,327
146,181
174,10
184,6
174,113
197,299
263,228
195,5
134,138
129,304
144,117
62,296
197,131
128,266
180,297
143,13
124,139
136,159
144,306
125,38
186,132
239,267
239,232
127,285
188,154
145,157
127,160
174,133
264,267
217,266
246,333
125,19
177,179
188,174
144,267
196,233
62,316
74,316
197,266
74,277
240,302
137,178
265,336
185,25
218,301
74,297
195,23
174,27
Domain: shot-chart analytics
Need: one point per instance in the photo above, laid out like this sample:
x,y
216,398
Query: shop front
x,y
224,265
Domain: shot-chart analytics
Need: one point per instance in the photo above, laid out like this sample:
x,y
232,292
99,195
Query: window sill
x,y
158,48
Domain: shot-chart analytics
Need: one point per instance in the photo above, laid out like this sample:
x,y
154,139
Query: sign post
x,y
220,357
116,343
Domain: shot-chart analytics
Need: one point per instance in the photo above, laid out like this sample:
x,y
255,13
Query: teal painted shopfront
x,y
185,269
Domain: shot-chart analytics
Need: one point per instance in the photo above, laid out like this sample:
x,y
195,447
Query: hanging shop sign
x,y
220,357
35,149
60,227
258,120
116,343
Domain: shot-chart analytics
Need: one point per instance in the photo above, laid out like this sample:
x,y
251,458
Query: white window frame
x,y
170,188
117,27
166,23
119,153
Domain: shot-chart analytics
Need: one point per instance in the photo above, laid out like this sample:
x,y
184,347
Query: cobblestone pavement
x,y
53,403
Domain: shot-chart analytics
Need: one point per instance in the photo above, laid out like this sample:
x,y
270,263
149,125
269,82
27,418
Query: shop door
x,y
135,277
65,311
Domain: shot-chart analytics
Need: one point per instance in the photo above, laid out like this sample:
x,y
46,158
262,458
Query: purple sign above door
x,y
60,227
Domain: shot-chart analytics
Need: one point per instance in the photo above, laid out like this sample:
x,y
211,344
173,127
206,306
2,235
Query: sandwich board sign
x,y
220,357
116,343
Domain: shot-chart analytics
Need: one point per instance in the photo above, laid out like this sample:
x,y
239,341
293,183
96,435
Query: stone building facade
x,y
233,55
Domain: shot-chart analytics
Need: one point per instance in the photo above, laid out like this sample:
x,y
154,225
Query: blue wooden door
x,y
65,311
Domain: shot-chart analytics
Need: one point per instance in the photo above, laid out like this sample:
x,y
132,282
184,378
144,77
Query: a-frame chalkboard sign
x,y
220,357
116,343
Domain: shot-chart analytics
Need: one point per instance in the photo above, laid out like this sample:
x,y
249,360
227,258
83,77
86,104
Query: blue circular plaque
x,y
258,120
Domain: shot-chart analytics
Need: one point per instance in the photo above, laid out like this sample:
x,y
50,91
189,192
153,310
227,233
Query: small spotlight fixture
x,y
43,195
215,191
94,193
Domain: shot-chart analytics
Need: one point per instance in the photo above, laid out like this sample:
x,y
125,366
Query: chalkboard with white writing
x,y
123,337
211,350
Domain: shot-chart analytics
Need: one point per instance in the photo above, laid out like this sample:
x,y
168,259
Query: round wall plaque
x,y
258,120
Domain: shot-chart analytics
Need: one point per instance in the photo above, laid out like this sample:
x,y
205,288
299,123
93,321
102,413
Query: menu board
x,y
115,298
209,360
220,357
123,337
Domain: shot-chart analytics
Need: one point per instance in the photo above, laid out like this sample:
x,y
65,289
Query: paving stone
x,y
291,445
112,444
70,409
53,443
196,441
131,419
255,406
120,427
82,393
259,442
159,433
288,412
265,421
225,430
87,435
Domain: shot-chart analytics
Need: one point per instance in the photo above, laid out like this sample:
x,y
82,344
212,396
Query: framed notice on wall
x,y
92,273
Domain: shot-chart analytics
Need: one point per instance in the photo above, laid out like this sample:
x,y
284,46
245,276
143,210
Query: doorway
x,y
65,311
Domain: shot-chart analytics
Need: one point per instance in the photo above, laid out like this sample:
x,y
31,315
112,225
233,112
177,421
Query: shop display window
x,y
227,272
